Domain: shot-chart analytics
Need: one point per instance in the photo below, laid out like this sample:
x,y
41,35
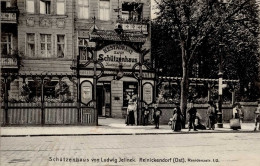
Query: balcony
x,y
9,15
134,26
9,63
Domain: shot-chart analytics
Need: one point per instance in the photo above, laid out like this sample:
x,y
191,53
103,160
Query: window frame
x,y
27,7
45,45
64,3
84,7
58,43
8,43
27,45
109,10
47,12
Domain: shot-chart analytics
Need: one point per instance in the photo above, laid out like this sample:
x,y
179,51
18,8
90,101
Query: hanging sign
x,y
112,55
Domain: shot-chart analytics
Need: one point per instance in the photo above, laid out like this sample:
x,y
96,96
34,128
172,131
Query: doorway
x,y
104,99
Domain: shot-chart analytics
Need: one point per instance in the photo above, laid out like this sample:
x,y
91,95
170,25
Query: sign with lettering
x,y
148,93
86,92
112,55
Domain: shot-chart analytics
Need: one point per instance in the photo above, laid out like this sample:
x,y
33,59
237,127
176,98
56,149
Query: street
x,y
163,149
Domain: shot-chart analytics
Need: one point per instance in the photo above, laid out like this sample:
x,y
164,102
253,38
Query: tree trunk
x,y
184,84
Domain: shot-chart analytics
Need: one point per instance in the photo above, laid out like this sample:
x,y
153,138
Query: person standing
x,y
177,119
235,123
192,116
211,116
131,112
156,116
146,112
257,117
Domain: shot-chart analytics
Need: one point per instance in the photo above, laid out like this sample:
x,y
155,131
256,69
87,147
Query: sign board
x,y
86,92
148,93
111,55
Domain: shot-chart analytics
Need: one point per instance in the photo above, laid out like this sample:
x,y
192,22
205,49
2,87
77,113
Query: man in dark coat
x,y
192,116
156,116
145,112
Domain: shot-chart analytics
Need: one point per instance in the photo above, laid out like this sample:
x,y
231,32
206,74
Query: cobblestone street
x,y
210,148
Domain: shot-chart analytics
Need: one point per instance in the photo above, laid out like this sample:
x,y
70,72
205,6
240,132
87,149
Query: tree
x,y
196,28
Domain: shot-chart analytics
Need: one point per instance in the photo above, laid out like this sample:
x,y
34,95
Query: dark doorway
x,y
104,99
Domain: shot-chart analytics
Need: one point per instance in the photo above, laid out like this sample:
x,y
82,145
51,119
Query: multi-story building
x,y
48,35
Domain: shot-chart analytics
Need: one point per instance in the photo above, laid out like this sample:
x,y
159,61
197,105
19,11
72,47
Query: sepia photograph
x,y
130,82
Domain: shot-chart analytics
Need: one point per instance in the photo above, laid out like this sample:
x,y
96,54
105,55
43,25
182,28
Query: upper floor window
x,y
83,11
60,46
132,11
45,49
30,6
6,44
104,10
60,7
30,44
5,4
45,7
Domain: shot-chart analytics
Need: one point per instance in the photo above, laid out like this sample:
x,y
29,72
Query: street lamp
x,y
220,75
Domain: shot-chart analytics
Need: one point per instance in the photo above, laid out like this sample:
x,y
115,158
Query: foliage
x,y
189,32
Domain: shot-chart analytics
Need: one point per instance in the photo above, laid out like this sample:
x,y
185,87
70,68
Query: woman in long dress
x,y
131,112
177,119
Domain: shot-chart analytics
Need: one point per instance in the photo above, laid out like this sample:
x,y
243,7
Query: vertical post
x,y
78,89
233,95
220,89
6,101
140,80
209,91
95,86
42,100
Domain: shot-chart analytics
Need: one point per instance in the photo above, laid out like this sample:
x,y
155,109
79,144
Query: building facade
x,y
105,43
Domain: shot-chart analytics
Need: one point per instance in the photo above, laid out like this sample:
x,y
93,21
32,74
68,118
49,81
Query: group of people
x,y
131,114
194,118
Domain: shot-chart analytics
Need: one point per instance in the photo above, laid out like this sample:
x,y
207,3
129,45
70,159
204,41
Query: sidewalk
x,y
109,126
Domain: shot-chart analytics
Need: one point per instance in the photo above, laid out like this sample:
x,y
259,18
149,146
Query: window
x,y
60,7
83,11
84,54
60,46
5,5
6,44
45,50
104,10
45,7
30,6
132,11
31,44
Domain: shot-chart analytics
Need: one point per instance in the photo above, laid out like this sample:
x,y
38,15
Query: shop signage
x,y
112,55
148,93
86,92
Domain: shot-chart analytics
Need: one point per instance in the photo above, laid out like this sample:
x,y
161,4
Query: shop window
x,y
83,50
60,46
104,10
129,92
30,6
46,45
6,44
60,7
83,6
132,11
45,7
30,44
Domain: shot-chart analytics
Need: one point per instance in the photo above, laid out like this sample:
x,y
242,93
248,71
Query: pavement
x,y
109,126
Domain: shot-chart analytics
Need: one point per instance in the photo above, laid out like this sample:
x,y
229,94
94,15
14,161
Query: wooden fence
x,y
55,114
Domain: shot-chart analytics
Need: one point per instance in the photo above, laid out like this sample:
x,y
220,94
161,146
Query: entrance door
x,y
100,99
104,99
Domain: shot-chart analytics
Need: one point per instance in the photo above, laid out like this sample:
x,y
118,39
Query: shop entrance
x,y
104,99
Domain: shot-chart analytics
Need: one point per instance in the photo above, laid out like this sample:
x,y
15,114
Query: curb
x,y
169,133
